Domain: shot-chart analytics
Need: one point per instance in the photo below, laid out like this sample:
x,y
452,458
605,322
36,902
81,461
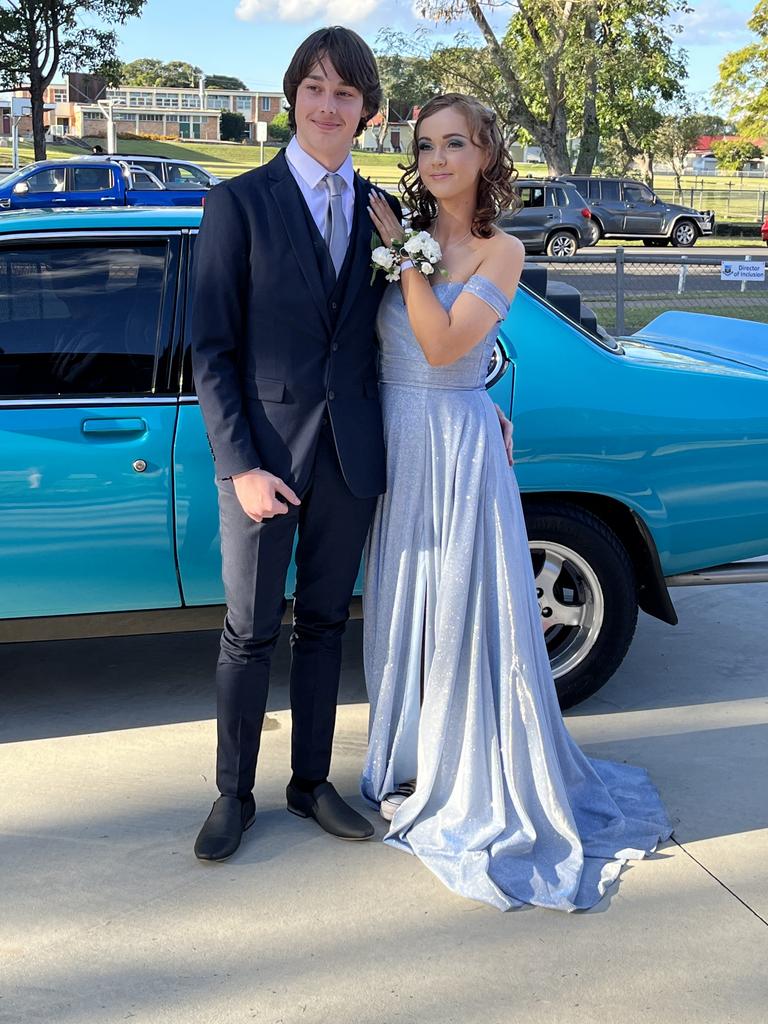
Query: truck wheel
x,y
562,243
587,593
684,234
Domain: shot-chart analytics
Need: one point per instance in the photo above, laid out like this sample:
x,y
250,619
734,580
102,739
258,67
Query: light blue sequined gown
x,y
507,809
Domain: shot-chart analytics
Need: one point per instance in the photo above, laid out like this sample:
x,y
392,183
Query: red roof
x,y
704,144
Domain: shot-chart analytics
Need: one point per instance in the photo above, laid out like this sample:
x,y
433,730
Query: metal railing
x,y
728,204
628,289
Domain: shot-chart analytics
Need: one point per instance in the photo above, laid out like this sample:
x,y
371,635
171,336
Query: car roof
x,y
542,182
101,218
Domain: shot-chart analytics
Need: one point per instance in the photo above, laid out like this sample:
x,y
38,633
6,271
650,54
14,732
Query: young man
x,y
284,359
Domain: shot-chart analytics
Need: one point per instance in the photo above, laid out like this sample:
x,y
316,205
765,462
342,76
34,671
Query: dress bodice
x,y
401,359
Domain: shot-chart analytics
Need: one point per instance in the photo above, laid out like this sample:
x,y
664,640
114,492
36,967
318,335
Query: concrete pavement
x,y
106,761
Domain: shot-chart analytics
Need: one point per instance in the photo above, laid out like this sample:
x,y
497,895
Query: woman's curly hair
x,y
495,191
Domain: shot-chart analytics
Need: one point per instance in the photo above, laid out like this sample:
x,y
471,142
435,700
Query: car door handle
x,y
122,426
58,201
106,199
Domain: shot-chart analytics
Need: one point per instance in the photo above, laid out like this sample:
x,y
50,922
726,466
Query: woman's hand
x,y
387,225
506,432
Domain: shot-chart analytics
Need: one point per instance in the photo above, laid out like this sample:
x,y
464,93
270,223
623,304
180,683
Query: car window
x,y
80,319
531,196
141,179
557,197
49,180
183,174
91,179
609,191
638,193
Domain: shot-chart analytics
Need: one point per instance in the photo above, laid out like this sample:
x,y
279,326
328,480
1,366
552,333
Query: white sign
x,y
742,270
261,131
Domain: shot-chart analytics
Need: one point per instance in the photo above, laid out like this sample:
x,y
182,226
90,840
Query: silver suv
x,y
625,208
553,219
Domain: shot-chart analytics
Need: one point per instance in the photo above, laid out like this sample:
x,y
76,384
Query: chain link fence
x,y
626,289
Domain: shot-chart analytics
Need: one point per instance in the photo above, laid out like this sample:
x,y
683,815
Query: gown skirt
x,y
507,809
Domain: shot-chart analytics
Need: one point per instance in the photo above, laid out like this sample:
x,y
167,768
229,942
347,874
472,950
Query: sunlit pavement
x,y
106,765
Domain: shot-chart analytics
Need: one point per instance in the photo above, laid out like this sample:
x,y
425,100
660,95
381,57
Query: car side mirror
x,y
20,188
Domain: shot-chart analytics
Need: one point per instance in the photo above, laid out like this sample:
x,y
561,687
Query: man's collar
x,y
313,172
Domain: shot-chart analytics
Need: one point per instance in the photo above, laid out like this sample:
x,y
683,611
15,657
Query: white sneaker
x,y
392,801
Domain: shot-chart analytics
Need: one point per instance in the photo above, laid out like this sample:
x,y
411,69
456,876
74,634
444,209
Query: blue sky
x,y
254,39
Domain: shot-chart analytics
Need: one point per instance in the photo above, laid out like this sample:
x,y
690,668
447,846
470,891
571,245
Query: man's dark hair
x,y
350,55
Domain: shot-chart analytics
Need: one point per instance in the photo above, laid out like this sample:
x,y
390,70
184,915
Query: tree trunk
x,y
645,159
590,126
38,127
554,146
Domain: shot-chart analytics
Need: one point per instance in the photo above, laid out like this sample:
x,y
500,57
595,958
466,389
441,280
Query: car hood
x,y
726,344
676,208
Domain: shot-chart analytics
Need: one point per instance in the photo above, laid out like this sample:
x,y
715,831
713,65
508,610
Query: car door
x,y
40,189
609,206
528,223
643,216
91,186
86,424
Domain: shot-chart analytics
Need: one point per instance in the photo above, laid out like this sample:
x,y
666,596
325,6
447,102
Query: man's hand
x,y
506,432
257,493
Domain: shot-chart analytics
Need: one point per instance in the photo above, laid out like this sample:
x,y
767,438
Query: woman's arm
x,y
447,335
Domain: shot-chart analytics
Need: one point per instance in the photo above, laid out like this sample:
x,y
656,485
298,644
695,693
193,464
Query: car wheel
x,y
684,234
562,243
587,593
597,230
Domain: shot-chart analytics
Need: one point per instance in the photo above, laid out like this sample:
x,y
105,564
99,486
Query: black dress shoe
x,y
223,829
329,811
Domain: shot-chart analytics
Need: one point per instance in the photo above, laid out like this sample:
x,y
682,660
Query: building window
x,y
93,115
217,102
150,117
190,101
266,103
244,104
59,95
167,99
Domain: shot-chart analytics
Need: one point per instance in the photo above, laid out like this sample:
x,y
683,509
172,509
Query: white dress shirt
x,y
309,176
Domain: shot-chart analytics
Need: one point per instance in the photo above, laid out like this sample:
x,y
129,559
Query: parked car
x,y
174,174
641,460
625,208
89,181
764,231
553,218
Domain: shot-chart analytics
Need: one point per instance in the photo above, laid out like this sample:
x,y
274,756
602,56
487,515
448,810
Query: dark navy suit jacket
x,y
273,353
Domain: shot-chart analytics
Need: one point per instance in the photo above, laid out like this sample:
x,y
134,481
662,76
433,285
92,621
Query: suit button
x,y
324,421
334,347
333,305
331,395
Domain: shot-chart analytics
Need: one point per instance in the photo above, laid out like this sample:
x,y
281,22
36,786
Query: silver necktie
x,y
336,222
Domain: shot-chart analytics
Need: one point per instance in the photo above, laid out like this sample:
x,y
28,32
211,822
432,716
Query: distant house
x,y
398,133
701,159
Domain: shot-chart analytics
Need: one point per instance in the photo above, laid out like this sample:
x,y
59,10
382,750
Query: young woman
x,y
468,748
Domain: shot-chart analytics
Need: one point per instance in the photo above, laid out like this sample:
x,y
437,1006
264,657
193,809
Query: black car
x,y
625,208
553,219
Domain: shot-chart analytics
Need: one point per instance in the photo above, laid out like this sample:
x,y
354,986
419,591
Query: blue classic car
x,y
643,461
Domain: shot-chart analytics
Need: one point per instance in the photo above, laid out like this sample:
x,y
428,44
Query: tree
x,y
40,37
565,68
223,82
743,82
231,126
279,128
406,81
146,71
676,137
732,154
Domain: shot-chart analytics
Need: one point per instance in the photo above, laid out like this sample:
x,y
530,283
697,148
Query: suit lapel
x,y
290,205
360,244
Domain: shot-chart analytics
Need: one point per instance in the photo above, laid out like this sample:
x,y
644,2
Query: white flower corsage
x,y
418,246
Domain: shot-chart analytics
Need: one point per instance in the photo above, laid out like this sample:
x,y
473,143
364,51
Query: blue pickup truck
x,y
90,182
642,460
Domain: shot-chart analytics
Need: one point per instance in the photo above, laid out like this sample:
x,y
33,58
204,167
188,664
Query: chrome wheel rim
x,y
563,245
571,604
684,234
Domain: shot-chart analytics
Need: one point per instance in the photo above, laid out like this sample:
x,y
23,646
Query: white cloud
x,y
714,23
332,11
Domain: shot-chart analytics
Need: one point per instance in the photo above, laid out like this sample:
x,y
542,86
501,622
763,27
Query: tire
x,y
562,243
655,242
584,576
684,234
597,227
